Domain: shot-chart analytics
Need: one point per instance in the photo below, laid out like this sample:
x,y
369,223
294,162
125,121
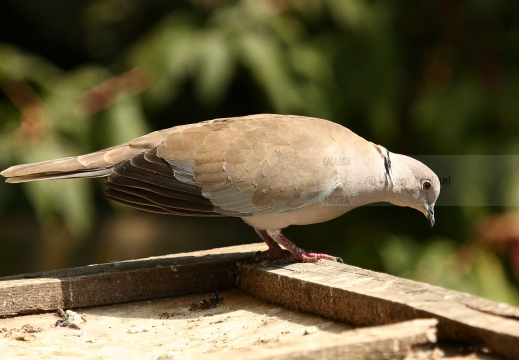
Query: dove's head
x,y
414,185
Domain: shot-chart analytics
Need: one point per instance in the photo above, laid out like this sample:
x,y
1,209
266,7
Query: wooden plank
x,y
168,328
172,328
366,298
121,282
336,291
391,342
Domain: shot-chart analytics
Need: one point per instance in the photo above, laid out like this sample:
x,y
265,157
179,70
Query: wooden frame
x,y
335,291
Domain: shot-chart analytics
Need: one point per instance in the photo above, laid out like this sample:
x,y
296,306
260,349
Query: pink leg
x,y
274,251
294,250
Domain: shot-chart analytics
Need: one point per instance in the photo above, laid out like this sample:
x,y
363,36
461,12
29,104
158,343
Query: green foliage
x,y
422,78
439,261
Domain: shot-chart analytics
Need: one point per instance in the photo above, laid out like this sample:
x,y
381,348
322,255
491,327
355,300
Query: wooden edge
x,y
395,341
124,281
336,291
366,298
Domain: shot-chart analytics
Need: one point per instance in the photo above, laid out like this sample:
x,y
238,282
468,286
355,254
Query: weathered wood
x,y
168,328
366,298
388,342
335,291
172,328
124,281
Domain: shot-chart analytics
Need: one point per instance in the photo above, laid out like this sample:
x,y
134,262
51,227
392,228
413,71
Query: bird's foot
x,y
307,256
293,251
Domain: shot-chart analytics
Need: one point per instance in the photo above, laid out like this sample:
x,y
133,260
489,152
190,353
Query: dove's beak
x,y
430,214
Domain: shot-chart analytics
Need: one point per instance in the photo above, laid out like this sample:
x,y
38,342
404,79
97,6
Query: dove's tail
x,y
93,165
96,164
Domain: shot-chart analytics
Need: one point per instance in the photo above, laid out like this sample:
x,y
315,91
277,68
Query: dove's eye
x,y
426,185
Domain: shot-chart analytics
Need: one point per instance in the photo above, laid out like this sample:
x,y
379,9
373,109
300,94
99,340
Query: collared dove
x,y
270,170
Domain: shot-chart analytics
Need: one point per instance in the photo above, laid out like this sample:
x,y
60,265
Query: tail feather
x,y
41,176
97,164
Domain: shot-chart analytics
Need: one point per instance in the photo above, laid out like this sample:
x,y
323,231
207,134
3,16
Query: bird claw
x,y
302,254
293,251
314,257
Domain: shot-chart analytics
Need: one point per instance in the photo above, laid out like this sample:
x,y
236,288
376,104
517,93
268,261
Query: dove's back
x,y
187,143
245,166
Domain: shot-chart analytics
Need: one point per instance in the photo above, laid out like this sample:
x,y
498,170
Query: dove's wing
x,y
262,164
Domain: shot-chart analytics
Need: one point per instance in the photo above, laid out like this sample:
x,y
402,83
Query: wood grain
x,y
125,281
336,291
366,298
391,342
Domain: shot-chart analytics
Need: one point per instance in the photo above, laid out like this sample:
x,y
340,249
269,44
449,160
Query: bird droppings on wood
x,y
28,328
239,323
15,334
165,315
135,329
69,319
25,333
205,304
310,330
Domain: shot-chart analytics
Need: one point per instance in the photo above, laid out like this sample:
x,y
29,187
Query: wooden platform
x,y
219,303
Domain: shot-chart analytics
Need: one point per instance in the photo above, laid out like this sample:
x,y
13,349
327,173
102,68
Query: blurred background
x,y
434,79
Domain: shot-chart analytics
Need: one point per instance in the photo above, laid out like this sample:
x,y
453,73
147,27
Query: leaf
x,y
125,121
264,57
215,67
167,55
